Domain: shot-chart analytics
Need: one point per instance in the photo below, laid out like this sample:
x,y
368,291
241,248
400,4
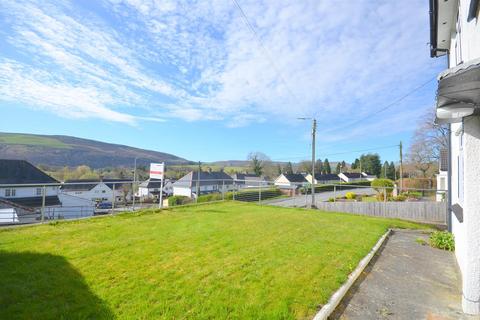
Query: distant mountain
x,y
71,151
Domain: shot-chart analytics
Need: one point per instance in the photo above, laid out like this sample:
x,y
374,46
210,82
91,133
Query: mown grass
x,y
32,141
213,261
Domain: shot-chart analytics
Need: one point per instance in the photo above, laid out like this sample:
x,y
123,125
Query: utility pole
x,y
314,130
401,167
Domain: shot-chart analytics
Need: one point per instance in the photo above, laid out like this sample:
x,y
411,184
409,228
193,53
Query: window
x,y
38,191
10,192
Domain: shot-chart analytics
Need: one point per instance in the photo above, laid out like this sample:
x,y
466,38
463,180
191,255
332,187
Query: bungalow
x,y
290,180
150,188
22,188
98,190
455,33
323,178
368,176
208,182
246,180
351,176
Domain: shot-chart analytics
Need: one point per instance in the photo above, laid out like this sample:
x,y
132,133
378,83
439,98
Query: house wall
x,y
465,149
182,191
101,192
26,192
73,207
282,181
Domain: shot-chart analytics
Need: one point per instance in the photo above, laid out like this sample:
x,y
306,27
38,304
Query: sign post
x,y
157,171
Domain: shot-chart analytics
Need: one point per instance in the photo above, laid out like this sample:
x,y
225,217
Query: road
x,y
302,200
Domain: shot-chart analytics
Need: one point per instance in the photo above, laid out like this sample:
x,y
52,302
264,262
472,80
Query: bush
x,y
350,195
178,200
380,184
442,240
339,186
400,197
331,199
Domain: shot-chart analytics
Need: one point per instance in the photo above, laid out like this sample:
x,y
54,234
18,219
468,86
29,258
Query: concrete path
x,y
406,280
302,200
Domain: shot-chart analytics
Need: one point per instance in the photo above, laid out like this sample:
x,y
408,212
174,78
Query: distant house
x,y
209,182
442,176
150,188
22,193
323,178
351,176
368,176
291,180
98,190
246,180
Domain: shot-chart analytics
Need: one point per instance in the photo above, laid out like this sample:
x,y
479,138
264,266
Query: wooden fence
x,y
422,211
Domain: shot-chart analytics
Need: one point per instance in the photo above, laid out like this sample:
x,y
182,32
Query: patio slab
x,y
406,280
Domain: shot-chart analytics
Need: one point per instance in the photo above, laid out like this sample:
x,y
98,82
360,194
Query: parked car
x,y
104,205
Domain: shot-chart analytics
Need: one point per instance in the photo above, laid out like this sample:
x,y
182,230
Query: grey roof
x,y
295,177
353,175
153,183
35,202
326,177
21,171
206,178
89,184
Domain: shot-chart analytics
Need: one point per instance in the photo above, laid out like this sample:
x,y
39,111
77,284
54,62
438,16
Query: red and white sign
x,y
157,170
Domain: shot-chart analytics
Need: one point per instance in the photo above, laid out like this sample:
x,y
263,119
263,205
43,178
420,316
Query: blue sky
x,y
190,78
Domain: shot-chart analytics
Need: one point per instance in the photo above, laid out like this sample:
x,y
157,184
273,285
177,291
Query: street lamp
x,y
314,129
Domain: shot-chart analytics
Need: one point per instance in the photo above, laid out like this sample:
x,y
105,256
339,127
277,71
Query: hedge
x,y
330,187
178,200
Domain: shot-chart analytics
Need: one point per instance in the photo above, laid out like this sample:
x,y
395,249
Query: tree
x,y
289,168
257,160
338,168
391,171
371,163
356,164
319,166
385,166
305,166
326,167
344,165
428,139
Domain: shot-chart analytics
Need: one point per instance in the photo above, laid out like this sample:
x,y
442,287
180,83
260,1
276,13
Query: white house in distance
x,y
351,176
150,188
98,190
326,178
290,181
455,32
246,180
442,176
209,182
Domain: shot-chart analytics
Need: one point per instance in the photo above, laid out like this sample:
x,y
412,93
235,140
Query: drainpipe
x,y
449,178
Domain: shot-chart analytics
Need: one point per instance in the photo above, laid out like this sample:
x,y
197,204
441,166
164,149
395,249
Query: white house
x,y
290,180
150,188
22,188
102,190
326,178
208,182
442,176
368,176
455,33
352,176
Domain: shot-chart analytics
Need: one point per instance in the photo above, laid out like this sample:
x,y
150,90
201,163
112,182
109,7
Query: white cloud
x,y
197,60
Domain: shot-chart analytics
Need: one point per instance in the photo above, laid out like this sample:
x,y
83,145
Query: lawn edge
x,y
338,295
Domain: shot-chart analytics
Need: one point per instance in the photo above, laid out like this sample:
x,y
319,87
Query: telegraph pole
x,y
314,130
401,167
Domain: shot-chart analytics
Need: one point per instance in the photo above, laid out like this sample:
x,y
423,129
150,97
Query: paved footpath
x,y
407,280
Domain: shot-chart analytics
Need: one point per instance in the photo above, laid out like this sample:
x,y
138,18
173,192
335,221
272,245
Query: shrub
x,y
442,240
178,200
350,195
400,197
331,199
380,184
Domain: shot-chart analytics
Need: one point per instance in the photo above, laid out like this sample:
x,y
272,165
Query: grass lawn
x,y
223,260
32,140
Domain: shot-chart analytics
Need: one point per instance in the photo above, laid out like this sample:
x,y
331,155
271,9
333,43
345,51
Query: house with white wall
x,y
455,35
98,190
352,176
150,188
22,188
290,181
326,178
247,180
207,182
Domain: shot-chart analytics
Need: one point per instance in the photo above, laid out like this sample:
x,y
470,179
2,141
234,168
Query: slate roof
x,y
353,175
326,177
206,178
153,183
89,184
295,177
35,202
21,171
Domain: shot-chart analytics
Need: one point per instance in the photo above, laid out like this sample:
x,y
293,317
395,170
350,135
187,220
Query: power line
x,y
388,106
265,50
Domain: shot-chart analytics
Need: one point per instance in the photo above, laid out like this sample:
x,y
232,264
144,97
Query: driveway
x,y
302,200
406,280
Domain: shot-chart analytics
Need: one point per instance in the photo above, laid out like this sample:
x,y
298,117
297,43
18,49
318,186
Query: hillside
x,y
71,151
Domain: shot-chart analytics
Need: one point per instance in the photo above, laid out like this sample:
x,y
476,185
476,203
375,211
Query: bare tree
x,y
429,138
258,161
